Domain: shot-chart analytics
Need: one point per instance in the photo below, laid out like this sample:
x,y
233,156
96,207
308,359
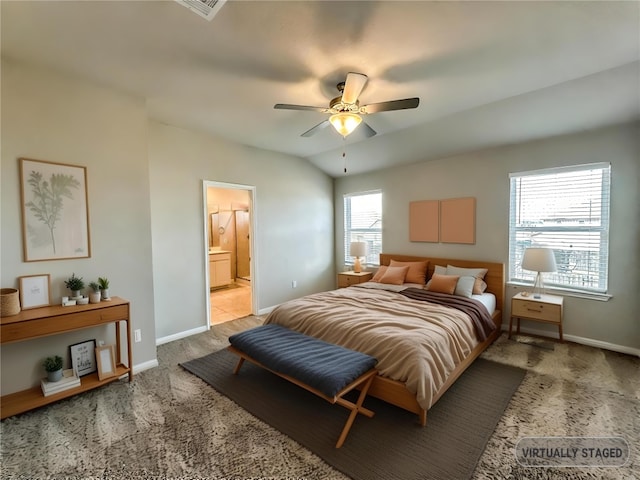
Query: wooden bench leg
x,y
355,409
237,369
365,380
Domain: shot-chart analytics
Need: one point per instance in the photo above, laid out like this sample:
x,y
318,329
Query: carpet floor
x,y
169,424
389,446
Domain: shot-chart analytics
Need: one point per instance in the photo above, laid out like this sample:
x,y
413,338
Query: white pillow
x,y
464,288
478,273
440,270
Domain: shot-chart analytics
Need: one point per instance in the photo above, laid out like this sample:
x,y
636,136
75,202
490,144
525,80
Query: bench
x,y
327,370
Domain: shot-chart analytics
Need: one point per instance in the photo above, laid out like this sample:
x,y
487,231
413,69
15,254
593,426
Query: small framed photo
x,y
35,291
83,357
106,362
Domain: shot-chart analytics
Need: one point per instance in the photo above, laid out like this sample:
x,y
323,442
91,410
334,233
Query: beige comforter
x,y
415,342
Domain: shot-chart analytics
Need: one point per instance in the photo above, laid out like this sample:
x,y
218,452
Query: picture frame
x,y
83,357
35,291
55,221
106,361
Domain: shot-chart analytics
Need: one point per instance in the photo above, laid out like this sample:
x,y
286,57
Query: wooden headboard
x,y
494,277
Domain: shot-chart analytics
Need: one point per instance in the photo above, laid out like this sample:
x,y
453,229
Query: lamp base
x,y
357,267
538,287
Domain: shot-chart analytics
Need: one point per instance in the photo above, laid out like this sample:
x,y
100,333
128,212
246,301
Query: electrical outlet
x,y
294,284
137,335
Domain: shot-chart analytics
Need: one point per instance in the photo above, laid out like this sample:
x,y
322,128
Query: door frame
x,y
253,252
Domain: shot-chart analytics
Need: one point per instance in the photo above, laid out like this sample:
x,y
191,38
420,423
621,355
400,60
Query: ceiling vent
x,y
205,8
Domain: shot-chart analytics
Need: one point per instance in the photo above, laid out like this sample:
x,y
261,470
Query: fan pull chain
x,y
344,153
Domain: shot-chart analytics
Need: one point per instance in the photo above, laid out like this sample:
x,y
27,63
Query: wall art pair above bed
x,y
447,221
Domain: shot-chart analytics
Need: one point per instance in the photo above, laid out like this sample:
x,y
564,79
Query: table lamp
x,y
539,260
357,249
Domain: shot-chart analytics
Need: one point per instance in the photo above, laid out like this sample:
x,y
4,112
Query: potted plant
x,y
75,284
104,287
94,296
53,366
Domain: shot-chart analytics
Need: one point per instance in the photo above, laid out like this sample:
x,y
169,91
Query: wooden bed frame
x,y
394,392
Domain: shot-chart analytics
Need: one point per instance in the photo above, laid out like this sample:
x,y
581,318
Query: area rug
x,y
391,445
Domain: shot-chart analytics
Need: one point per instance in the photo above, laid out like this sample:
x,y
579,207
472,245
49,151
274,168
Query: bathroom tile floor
x,y
230,303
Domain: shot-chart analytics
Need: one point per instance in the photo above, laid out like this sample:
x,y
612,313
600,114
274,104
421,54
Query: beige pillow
x,y
443,283
417,271
478,273
394,275
381,271
479,287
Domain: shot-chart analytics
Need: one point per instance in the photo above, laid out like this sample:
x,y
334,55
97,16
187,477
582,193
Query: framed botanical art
x,y
35,291
55,213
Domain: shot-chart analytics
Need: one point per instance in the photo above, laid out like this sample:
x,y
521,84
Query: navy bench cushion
x,y
321,365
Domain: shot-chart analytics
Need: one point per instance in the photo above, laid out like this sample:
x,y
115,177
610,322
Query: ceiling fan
x,y
345,109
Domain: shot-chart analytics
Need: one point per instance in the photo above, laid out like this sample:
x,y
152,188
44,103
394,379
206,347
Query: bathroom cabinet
x,y
219,269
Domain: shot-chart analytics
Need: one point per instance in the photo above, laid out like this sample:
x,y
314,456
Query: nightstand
x,y
352,278
547,309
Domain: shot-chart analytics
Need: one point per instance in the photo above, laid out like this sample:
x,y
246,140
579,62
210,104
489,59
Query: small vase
x,y
75,294
54,376
94,297
105,294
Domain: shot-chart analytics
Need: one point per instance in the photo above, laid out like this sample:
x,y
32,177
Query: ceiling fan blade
x,y
285,106
316,129
368,131
391,105
353,87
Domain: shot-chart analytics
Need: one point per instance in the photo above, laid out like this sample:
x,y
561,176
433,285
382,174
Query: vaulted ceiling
x,y
487,73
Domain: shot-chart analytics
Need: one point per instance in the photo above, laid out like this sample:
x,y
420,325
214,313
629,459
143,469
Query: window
x,y
566,209
363,223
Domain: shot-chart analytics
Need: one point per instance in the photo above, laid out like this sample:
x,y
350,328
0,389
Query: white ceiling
x,y
487,73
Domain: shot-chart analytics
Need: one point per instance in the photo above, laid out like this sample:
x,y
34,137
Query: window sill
x,y
565,292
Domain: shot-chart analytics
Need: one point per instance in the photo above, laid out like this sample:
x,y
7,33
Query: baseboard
x,y
581,340
141,367
266,311
178,336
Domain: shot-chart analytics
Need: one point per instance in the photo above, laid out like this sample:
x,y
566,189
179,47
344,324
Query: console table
x,y
54,320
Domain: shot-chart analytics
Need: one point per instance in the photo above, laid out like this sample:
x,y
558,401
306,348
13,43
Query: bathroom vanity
x,y
219,268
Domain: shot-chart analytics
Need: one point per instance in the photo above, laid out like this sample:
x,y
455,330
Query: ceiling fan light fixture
x,y
345,122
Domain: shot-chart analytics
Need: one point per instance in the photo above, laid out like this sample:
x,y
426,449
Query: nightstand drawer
x,y
536,310
347,279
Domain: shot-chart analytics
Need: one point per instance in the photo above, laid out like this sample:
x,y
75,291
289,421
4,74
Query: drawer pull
x,y
534,310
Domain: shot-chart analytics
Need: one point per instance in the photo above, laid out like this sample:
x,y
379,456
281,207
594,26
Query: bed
x,y
423,340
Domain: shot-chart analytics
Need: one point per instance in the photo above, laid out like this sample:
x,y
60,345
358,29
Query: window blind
x,y
363,223
566,209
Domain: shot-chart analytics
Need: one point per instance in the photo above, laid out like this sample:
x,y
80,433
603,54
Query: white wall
x,y
485,175
293,210
47,116
146,217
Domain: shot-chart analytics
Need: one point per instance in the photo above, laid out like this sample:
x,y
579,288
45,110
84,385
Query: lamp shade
x,y
358,249
345,122
539,260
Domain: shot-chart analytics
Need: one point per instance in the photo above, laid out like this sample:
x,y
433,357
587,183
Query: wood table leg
x,y
560,332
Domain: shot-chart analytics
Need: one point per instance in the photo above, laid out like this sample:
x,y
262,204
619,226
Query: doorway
x,y
230,271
